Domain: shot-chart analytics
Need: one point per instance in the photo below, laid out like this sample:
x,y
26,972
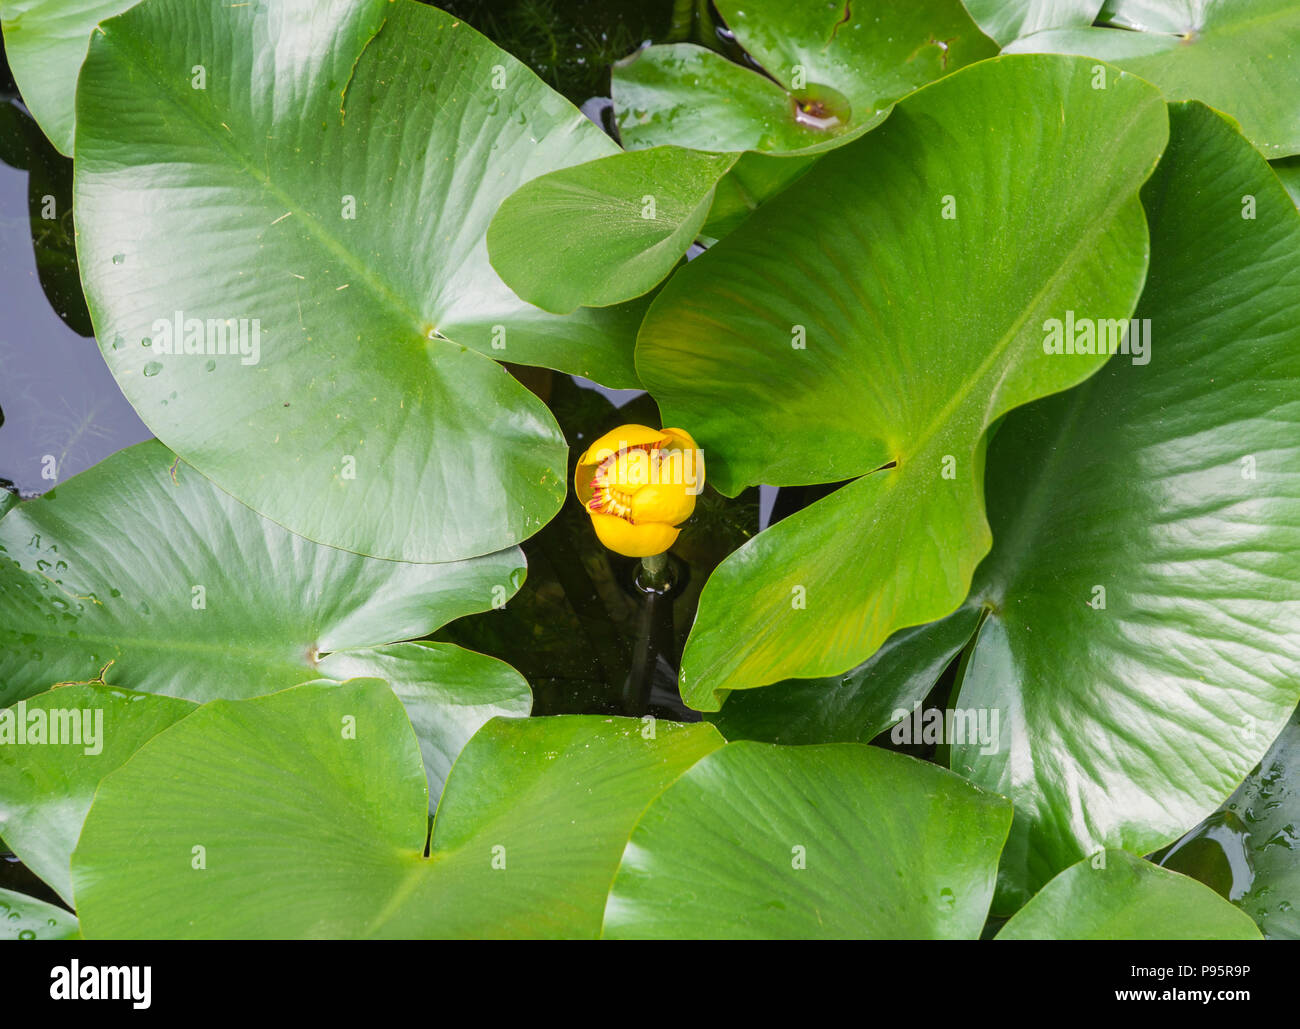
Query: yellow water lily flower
x,y
638,485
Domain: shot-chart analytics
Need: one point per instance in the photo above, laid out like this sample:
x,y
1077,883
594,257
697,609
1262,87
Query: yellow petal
x,y
667,503
631,470
641,540
620,439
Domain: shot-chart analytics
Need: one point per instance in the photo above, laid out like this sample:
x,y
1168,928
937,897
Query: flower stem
x,y
654,571
654,662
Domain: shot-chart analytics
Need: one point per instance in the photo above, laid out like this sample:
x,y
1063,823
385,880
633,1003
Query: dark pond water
x,y
60,410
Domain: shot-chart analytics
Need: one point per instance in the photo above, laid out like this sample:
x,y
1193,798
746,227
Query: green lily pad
x,y
46,791
47,783
449,694
834,841
307,812
828,74
613,227
1143,640
45,42
619,225
26,918
805,348
143,573
561,796
1008,20
856,706
1239,56
1125,898
329,211
753,180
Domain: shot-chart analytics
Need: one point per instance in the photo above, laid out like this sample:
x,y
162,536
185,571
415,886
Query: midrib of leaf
x,y
224,138
415,877
962,394
261,654
127,643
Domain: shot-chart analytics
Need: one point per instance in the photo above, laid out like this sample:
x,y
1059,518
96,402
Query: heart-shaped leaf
x,y
555,800
826,74
802,349
304,814
26,918
839,841
449,693
87,731
142,571
57,746
277,230
1143,637
1239,56
1122,897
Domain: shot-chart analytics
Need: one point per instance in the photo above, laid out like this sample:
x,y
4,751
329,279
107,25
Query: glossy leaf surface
x,y
802,349
311,809
47,783
322,202
1007,20
828,74
45,42
838,841
1141,645
612,228
26,918
143,570
1238,56
1127,899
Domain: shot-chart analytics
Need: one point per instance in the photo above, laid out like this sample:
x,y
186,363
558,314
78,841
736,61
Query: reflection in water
x,y
1249,850
1217,852
60,409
